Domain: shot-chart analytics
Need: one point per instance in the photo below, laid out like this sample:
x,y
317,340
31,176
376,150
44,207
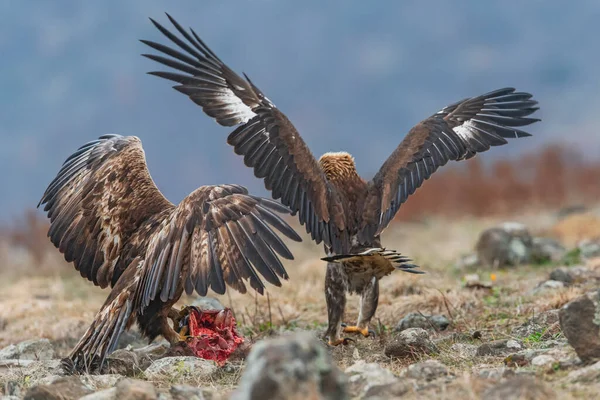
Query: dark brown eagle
x,y
338,207
108,217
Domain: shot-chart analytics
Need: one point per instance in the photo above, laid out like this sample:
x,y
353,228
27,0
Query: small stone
x,y
548,286
543,360
426,370
498,348
589,248
519,387
135,389
297,363
362,376
411,342
106,394
507,244
587,374
562,275
546,249
417,320
65,388
186,392
580,323
208,303
180,367
36,349
464,350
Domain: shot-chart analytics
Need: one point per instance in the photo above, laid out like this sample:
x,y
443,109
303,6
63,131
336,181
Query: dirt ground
x,y
48,299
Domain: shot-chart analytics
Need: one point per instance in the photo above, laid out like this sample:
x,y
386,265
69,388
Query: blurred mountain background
x,y
352,77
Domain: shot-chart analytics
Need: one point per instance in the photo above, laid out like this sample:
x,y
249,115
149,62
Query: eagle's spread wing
x,y
98,200
217,236
105,209
266,138
457,132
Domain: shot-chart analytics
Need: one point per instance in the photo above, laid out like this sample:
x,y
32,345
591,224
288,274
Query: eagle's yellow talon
x,y
366,332
183,334
339,341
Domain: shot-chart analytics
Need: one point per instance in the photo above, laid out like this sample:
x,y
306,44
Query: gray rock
x,y
389,391
562,275
180,367
65,388
104,381
589,248
536,324
548,286
426,370
411,342
417,320
519,387
507,244
123,362
580,323
106,394
587,374
546,249
494,373
208,303
362,376
291,365
135,389
464,350
147,354
499,348
186,392
36,349
543,360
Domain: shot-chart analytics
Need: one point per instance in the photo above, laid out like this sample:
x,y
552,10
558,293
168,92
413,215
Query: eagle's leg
x,y
335,296
368,305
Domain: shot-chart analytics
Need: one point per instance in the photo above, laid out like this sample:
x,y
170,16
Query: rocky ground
x,y
505,311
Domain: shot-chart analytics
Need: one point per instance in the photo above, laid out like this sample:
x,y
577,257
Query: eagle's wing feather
x,y
267,140
99,198
457,132
216,237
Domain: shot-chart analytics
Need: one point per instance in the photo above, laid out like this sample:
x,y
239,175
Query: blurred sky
x,y
352,76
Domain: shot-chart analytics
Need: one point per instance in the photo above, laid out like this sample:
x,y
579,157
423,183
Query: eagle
x,y
108,217
338,208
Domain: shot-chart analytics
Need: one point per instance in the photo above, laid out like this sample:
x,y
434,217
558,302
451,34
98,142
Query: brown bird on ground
x,y
108,217
338,207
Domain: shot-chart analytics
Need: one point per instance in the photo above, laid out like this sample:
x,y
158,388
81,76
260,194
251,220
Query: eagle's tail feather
x,y
103,334
397,260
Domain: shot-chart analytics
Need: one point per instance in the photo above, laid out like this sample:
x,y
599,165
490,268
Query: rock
x,y
473,281
546,249
208,303
180,367
536,324
519,387
494,373
295,365
464,350
507,244
147,354
388,391
97,382
426,370
65,388
36,349
417,320
562,275
186,392
548,286
362,376
499,348
580,323
411,342
587,374
123,362
543,360
469,261
589,248
106,394
135,389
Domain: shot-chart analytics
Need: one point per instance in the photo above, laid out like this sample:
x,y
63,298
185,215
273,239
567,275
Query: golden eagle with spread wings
x,y
108,217
338,207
